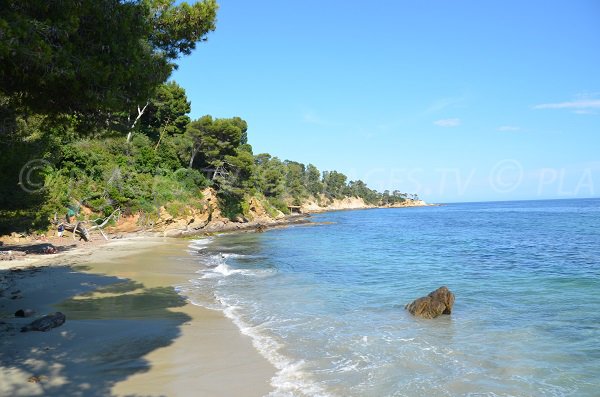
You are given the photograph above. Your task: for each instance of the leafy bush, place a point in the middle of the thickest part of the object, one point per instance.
(279, 204)
(191, 178)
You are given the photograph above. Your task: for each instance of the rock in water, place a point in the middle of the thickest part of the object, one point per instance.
(436, 303)
(46, 323)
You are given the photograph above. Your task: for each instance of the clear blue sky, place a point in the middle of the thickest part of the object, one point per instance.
(453, 100)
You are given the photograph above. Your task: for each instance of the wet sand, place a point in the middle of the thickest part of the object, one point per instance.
(127, 332)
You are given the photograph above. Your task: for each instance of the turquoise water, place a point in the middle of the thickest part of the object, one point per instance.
(326, 303)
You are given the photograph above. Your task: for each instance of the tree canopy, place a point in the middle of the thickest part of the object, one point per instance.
(88, 118)
(92, 56)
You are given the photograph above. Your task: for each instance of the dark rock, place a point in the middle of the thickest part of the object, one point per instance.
(36, 379)
(436, 303)
(49, 249)
(46, 323)
(261, 228)
(24, 313)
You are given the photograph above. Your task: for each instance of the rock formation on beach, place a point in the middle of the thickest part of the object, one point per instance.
(24, 313)
(46, 323)
(436, 303)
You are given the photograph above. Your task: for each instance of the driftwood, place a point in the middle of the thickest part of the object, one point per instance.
(78, 229)
(105, 222)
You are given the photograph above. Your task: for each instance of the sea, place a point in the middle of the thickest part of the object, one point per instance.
(324, 303)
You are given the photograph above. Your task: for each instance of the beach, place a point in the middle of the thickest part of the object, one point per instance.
(318, 309)
(128, 331)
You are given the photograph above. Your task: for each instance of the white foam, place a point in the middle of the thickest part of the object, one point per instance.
(203, 242)
(291, 379)
(231, 255)
(225, 270)
(199, 245)
(215, 266)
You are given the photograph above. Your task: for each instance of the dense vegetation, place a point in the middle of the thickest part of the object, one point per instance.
(88, 120)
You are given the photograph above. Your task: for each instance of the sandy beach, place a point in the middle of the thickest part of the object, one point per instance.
(127, 332)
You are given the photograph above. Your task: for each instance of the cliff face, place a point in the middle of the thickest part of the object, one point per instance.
(204, 218)
(351, 203)
(347, 203)
(409, 203)
(207, 217)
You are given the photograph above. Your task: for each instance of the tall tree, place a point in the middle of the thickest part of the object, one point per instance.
(313, 180)
(195, 131)
(217, 138)
(295, 181)
(335, 183)
(271, 175)
(92, 56)
(167, 112)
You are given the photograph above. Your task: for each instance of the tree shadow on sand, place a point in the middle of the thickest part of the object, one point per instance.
(111, 325)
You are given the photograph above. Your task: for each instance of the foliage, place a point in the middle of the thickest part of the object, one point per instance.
(314, 186)
(89, 121)
(271, 175)
(216, 139)
(334, 184)
(167, 112)
(90, 56)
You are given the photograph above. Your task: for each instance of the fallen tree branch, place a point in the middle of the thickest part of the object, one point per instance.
(77, 229)
(106, 220)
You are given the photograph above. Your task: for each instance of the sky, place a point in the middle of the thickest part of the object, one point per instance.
(453, 100)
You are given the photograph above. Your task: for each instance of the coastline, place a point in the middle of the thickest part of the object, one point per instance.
(192, 348)
(126, 322)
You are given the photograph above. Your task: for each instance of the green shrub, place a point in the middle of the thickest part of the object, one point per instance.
(191, 179)
(279, 204)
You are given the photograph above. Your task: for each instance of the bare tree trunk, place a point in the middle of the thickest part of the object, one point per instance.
(140, 113)
(106, 220)
(195, 150)
(162, 134)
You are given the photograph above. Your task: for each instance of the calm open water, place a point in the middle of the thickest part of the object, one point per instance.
(325, 303)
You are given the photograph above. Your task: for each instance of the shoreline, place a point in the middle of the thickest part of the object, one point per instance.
(166, 364)
(149, 338)
(33, 245)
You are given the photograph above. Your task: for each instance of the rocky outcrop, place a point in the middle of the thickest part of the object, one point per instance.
(409, 203)
(324, 204)
(209, 219)
(433, 305)
(46, 323)
(205, 216)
